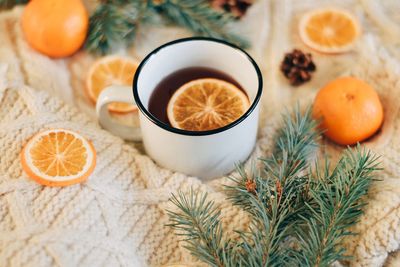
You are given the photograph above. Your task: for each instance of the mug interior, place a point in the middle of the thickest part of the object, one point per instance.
(196, 52)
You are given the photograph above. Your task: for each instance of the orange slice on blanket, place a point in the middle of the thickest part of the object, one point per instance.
(206, 104)
(329, 30)
(111, 70)
(58, 157)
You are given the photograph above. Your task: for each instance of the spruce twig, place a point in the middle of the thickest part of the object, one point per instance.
(198, 222)
(201, 19)
(278, 193)
(296, 141)
(113, 24)
(298, 218)
(336, 205)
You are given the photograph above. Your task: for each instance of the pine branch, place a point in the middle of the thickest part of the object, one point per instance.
(198, 222)
(296, 141)
(6, 4)
(337, 202)
(298, 218)
(275, 199)
(113, 24)
(261, 244)
(201, 19)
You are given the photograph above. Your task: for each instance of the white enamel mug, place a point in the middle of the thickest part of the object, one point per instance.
(205, 154)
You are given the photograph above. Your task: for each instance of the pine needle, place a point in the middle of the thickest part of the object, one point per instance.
(336, 204)
(201, 19)
(198, 223)
(298, 217)
(114, 25)
(115, 22)
(277, 200)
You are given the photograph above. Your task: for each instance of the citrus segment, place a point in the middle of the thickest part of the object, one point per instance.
(329, 30)
(58, 157)
(206, 104)
(111, 70)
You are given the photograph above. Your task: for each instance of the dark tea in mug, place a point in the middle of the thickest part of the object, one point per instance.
(170, 84)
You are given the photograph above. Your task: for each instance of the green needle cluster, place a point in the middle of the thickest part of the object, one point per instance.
(299, 212)
(114, 23)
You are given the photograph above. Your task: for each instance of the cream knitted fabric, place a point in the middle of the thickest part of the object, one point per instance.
(117, 218)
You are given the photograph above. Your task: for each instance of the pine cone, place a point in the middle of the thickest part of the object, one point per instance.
(237, 7)
(297, 67)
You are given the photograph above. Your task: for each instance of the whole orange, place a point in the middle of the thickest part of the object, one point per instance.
(56, 28)
(349, 109)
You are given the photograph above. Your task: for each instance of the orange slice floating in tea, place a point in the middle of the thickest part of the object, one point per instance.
(58, 157)
(111, 70)
(329, 30)
(206, 104)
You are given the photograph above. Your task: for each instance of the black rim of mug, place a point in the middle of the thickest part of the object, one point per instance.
(165, 126)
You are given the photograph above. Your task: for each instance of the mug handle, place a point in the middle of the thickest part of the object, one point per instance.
(116, 93)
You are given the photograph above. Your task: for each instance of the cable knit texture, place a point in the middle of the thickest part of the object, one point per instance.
(117, 217)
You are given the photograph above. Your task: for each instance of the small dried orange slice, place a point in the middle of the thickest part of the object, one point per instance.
(329, 30)
(206, 104)
(111, 70)
(58, 157)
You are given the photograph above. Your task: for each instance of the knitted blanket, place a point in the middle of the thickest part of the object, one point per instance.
(117, 217)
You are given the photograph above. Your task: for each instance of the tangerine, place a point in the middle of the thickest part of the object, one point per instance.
(349, 109)
(56, 28)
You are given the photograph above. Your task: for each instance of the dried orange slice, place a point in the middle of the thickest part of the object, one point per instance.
(58, 157)
(329, 30)
(206, 104)
(111, 70)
